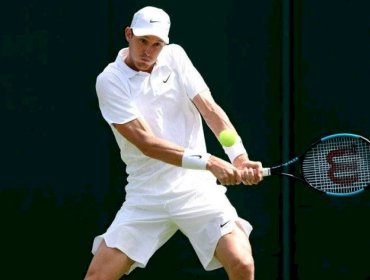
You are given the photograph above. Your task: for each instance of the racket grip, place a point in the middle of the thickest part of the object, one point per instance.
(266, 172)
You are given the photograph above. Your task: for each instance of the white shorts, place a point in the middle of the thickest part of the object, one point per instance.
(139, 231)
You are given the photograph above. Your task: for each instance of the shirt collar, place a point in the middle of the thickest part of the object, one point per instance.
(123, 66)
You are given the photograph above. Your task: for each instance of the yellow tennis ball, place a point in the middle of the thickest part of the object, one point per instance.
(227, 137)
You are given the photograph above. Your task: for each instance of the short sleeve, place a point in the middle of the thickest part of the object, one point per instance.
(115, 100)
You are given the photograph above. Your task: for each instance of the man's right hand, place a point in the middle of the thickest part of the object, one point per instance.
(225, 172)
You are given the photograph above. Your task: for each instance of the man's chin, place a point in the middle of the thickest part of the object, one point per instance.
(144, 66)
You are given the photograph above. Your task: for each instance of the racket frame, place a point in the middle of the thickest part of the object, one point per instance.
(298, 160)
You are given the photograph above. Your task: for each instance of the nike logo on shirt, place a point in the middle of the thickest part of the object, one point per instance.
(165, 81)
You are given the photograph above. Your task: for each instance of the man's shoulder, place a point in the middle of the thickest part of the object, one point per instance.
(172, 54)
(111, 71)
(111, 76)
(173, 49)
(114, 68)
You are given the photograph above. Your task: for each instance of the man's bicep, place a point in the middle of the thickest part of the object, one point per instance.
(204, 103)
(135, 131)
(213, 114)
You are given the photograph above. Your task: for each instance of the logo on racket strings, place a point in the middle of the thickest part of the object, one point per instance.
(343, 168)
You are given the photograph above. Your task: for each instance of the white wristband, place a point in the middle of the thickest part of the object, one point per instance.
(194, 160)
(235, 150)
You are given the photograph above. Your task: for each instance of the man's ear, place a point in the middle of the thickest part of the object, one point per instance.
(128, 33)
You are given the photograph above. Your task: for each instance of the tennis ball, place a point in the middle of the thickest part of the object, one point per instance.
(227, 137)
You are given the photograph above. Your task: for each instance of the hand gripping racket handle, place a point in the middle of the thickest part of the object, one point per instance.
(266, 172)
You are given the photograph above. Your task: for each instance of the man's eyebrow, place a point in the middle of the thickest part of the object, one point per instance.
(148, 36)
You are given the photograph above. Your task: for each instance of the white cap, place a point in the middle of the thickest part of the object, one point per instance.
(151, 21)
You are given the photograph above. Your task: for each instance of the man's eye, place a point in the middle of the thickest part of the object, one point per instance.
(158, 45)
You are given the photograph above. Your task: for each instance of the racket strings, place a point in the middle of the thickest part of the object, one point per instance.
(338, 165)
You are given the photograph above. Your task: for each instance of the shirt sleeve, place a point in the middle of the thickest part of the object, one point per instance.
(115, 100)
(192, 79)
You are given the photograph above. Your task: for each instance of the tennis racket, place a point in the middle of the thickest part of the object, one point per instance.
(338, 164)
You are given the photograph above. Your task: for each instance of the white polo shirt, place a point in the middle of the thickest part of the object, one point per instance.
(164, 99)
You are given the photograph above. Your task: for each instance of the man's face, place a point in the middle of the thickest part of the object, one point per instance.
(143, 51)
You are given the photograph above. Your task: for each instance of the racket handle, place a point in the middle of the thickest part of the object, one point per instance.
(266, 172)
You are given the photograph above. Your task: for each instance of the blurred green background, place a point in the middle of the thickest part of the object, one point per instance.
(286, 72)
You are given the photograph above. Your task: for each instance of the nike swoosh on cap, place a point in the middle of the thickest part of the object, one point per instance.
(225, 224)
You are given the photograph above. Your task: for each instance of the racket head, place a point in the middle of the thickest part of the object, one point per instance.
(338, 164)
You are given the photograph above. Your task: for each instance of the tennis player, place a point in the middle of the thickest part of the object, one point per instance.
(154, 99)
